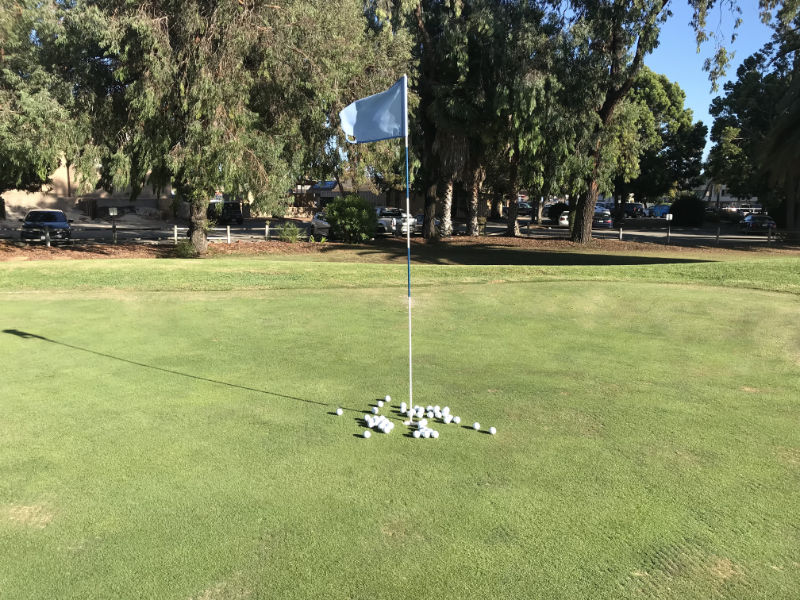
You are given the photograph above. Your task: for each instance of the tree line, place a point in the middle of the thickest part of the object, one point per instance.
(243, 96)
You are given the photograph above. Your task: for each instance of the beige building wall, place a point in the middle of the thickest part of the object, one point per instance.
(60, 193)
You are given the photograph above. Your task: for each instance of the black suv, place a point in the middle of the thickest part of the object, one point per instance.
(225, 212)
(634, 210)
(37, 224)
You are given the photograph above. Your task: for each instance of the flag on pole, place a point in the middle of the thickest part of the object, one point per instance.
(381, 117)
(378, 117)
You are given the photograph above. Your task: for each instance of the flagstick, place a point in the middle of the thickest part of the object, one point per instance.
(408, 244)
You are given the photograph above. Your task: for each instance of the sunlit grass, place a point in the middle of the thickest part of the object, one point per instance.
(181, 444)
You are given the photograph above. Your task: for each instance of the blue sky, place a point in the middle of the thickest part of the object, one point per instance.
(677, 57)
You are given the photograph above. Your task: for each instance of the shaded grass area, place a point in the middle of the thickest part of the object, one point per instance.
(237, 273)
(183, 446)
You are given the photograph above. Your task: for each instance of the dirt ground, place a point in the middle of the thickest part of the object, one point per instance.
(387, 249)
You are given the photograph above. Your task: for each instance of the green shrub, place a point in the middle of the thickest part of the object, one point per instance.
(688, 210)
(351, 219)
(185, 249)
(289, 232)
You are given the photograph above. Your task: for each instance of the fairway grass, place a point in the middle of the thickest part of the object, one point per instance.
(167, 431)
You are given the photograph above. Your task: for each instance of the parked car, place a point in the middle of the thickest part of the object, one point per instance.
(37, 224)
(756, 224)
(634, 210)
(603, 205)
(602, 218)
(563, 219)
(660, 210)
(523, 209)
(393, 221)
(319, 227)
(225, 211)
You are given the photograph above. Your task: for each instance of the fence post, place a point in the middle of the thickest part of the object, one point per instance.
(47, 236)
(266, 230)
(228, 231)
(175, 233)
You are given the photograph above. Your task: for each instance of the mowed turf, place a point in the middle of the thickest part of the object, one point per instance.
(181, 443)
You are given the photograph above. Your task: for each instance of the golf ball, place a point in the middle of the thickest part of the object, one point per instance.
(380, 403)
(422, 423)
(456, 420)
(446, 410)
(492, 430)
(476, 426)
(339, 412)
(403, 407)
(434, 434)
(367, 433)
(388, 398)
(374, 410)
(426, 433)
(417, 433)
(448, 418)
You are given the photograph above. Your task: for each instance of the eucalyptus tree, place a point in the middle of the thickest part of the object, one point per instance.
(217, 95)
(755, 149)
(34, 124)
(612, 38)
(519, 86)
(671, 145)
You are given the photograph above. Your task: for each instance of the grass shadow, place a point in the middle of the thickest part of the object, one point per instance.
(27, 335)
(460, 251)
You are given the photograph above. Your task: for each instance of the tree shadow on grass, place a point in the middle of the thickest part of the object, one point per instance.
(26, 335)
(457, 252)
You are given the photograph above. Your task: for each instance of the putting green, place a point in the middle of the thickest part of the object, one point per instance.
(183, 444)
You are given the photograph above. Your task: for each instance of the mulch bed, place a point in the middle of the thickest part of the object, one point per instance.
(395, 247)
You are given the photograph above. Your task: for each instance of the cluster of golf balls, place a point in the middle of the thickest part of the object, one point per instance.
(431, 412)
(384, 425)
(380, 423)
(423, 431)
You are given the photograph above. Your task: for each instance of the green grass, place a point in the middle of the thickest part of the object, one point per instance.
(166, 431)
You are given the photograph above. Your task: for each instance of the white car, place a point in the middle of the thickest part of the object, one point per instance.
(563, 219)
(319, 227)
(393, 221)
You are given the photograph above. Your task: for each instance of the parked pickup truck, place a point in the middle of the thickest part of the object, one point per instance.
(393, 220)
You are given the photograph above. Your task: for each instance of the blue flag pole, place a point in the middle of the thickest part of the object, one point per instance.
(384, 116)
(408, 243)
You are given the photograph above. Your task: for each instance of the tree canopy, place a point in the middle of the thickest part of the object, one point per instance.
(243, 97)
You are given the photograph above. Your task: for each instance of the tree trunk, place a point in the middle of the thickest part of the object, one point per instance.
(497, 203)
(792, 212)
(69, 179)
(474, 200)
(429, 227)
(198, 226)
(447, 209)
(584, 211)
(512, 225)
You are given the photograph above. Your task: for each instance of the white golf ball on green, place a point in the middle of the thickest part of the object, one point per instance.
(476, 426)
(339, 412)
(367, 433)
